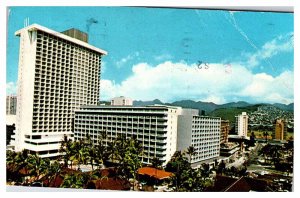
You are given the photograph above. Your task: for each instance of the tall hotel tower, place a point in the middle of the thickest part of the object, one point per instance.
(58, 72)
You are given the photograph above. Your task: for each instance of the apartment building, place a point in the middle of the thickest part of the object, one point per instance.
(201, 132)
(57, 74)
(11, 105)
(280, 129)
(224, 131)
(241, 124)
(155, 127)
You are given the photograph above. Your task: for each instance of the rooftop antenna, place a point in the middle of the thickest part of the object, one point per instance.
(26, 22)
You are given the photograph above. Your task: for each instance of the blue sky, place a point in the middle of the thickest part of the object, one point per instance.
(175, 54)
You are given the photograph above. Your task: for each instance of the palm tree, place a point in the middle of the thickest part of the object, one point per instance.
(72, 180)
(53, 172)
(191, 151)
(80, 153)
(21, 161)
(113, 151)
(90, 149)
(37, 166)
(132, 162)
(179, 165)
(101, 154)
(10, 159)
(266, 134)
(12, 167)
(221, 167)
(156, 163)
(205, 170)
(66, 150)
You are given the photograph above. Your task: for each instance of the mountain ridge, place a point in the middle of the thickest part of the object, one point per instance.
(210, 106)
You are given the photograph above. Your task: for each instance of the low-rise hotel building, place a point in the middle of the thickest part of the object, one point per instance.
(161, 130)
(155, 127)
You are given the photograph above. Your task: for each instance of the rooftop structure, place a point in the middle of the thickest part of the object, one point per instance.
(74, 33)
(155, 173)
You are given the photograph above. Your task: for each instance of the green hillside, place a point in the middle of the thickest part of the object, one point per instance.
(230, 113)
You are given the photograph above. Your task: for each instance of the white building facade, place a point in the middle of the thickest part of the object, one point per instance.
(155, 127)
(201, 132)
(57, 74)
(161, 130)
(241, 124)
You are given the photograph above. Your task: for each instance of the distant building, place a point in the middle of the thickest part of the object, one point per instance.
(56, 75)
(241, 124)
(11, 105)
(280, 129)
(224, 131)
(121, 101)
(201, 132)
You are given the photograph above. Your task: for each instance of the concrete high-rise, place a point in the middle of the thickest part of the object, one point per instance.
(57, 74)
(241, 124)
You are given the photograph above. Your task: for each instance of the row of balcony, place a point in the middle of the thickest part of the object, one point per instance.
(130, 118)
(113, 122)
(44, 59)
(144, 134)
(51, 120)
(51, 130)
(58, 43)
(120, 127)
(62, 94)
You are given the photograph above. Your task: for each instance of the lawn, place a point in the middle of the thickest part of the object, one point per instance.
(259, 134)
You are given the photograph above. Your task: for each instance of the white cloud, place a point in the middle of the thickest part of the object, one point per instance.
(163, 57)
(266, 88)
(214, 99)
(124, 60)
(103, 67)
(175, 81)
(108, 89)
(270, 49)
(11, 88)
